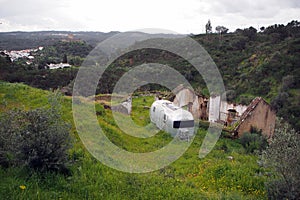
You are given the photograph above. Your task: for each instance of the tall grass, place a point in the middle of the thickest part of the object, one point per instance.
(214, 177)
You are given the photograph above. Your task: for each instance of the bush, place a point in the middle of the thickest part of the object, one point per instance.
(282, 155)
(8, 137)
(99, 109)
(37, 139)
(288, 82)
(278, 189)
(253, 141)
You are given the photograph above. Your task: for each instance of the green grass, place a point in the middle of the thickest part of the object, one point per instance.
(214, 177)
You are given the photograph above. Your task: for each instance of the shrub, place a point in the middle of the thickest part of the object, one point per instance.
(288, 82)
(278, 189)
(8, 135)
(253, 141)
(99, 109)
(37, 139)
(282, 155)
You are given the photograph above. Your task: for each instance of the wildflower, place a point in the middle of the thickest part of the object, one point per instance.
(22, 187)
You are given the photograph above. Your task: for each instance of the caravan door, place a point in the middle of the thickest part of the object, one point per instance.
(162, 120)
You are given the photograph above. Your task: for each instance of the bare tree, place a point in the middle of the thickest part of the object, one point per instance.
(208, 28)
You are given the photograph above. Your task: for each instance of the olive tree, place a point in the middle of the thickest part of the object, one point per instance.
(37, 138)
(282, 156)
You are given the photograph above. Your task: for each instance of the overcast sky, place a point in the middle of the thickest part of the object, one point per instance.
(181, 16)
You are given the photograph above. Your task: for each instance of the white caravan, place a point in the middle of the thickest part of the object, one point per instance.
(172, 119)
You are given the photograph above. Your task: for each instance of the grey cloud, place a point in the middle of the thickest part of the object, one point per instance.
(293, 3)
(249, 8)
(10, 8)
(56, 14)
(242, 5)
(37, 14)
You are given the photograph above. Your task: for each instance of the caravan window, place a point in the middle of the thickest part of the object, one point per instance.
(165, 117)
(183, 124)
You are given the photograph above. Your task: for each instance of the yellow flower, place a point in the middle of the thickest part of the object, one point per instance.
(22, 187)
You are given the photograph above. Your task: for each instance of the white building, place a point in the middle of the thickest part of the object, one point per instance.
(58, 66)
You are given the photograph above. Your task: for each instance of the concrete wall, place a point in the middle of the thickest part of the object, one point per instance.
(214, 108)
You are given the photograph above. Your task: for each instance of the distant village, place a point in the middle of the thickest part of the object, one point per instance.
(27, 54)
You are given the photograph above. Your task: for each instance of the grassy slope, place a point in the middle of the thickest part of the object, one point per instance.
(214, 177)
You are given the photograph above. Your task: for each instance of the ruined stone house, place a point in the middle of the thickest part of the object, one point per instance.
(239, 117)
(223, 112)
(124, 104)
(196, 104)
(124, 107)
(259, 115)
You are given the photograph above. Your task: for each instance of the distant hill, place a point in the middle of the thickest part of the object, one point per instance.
(27, 40)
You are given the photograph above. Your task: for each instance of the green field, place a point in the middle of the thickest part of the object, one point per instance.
(214, 177)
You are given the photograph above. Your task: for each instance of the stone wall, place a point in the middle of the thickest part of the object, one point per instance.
(124, 106)
(197, 105)
(261, 117)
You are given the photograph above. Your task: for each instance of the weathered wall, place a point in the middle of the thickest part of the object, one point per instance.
(184, 97)
(262, 117)
(214, 108)
(124, 107)
(197, 105)
(224, 107)
(203, 108)
(121, 109)
(108, 98)
(218, 109)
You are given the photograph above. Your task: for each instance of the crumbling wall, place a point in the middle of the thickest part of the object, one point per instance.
(261, 117)
(184, 97)
(125, 107)
(224, 107)
(214, 108)
(203, 108)
(219, 110)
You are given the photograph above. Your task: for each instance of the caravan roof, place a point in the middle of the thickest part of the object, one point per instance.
(173, 111)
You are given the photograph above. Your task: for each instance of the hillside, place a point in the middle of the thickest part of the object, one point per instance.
(214, 177)
(266, 65)
(27, 40)
(252, 63)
